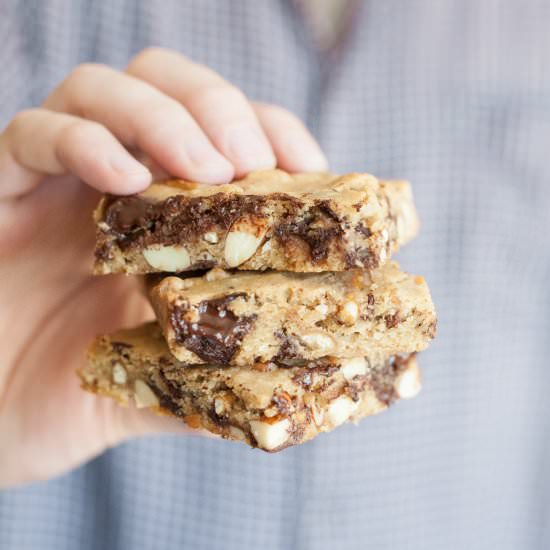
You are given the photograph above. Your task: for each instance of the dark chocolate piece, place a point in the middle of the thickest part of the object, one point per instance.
(126, 214)
(134, 221)
(218, 333)
(318, 231)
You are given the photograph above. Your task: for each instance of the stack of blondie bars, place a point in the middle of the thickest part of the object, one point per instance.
(279, 313)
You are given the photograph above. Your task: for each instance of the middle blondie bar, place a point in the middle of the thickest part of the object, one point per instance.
(290, 318)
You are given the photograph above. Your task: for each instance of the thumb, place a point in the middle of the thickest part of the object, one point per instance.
(134, 422)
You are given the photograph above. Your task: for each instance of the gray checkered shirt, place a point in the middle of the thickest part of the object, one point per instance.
(454, 95)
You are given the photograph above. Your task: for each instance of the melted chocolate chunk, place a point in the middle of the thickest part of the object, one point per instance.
(126, 214)
(317, 238)
(318, 230)
(325, 208)
(135, 221)
(218, 333)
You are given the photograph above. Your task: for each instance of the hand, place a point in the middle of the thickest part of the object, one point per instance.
(53, 161)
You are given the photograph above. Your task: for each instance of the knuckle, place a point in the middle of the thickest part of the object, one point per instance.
(84, 71)
(148, 56)
(76, 132)
(278, 112)
(165, 111)
(218, 95)
(19, 122)
(80, 74)
(161, 119)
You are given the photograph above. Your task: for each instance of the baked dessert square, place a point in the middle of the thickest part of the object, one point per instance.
(244, 318)
(269, 220)
(266, 407)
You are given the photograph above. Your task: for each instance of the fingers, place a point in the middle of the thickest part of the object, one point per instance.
(39, 142)
(135, 422)
(294, 146)
(186, 119)
(141, 116)
(124, 423)
(221, 110)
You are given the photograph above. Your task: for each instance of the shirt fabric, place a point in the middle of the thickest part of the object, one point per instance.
(328, 19)
(452, 94)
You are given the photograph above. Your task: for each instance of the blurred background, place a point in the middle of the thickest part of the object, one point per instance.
(451, 94)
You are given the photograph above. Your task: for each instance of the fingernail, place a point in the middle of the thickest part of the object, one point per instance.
(133, 171)
(208, 166)
(248, 148)
(305, 155)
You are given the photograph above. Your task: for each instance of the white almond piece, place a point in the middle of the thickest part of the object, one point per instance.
(408, 383)
(239, 247)
(356, 366)
(236, 433)
(219, 406)
(144, 395)
(322, 309)
(341, 409)
(270, 436)
(318, 341)
(167, 258)
(371, 207)
(211, 237)
(271, 412)
(119, 374)
(349, 313)
(318, 415)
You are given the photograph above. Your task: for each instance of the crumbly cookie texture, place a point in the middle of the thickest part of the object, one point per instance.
(269, 220)
(284, 318)
(270, 408)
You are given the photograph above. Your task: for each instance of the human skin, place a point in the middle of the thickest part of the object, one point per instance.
(178, 118)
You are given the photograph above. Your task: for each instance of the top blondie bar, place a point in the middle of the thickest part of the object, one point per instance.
(269, 220)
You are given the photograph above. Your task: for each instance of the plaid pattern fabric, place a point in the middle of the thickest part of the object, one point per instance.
(454, 95)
